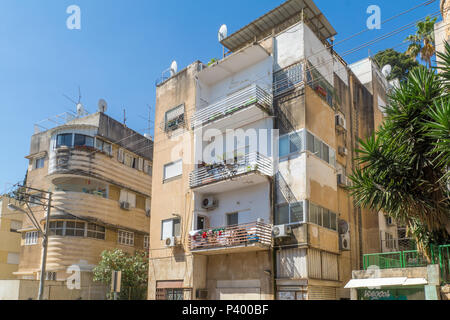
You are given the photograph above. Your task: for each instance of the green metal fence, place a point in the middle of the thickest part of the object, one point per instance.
(411, 258)
(383, 260)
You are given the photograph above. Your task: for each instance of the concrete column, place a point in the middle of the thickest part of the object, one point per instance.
(432, 290)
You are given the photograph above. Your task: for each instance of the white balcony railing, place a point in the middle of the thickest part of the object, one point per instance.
(251, 95)
(249, 163)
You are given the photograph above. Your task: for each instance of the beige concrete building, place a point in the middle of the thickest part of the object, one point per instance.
(261, 212)
(442, 28)
(10, 223)
(99, 174)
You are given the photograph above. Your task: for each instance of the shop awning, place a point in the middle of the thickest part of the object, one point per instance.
(385, 282)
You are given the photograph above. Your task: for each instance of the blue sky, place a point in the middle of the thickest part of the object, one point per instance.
(122, 48)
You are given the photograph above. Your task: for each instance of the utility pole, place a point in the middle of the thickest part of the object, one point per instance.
(23, 196)
(44, 248)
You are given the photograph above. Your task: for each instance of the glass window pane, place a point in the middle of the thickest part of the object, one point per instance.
(89, 141)
(232, 219)
(295, 142)
(333, 221)
(282, 214)
(297, 212)
(318, 147)
(64, 140)
(177, 228)
(332, 158)
(80, 140)
(310, 142)
(326, 218)
(284, 146)
(325, 152)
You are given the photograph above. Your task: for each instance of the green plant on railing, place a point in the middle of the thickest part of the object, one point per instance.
(215, 116)
(213, 60)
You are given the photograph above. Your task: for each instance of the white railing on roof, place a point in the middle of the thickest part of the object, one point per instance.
(251, 95)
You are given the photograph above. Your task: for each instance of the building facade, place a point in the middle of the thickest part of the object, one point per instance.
(99, 174)
(251, 161)
(10, 224)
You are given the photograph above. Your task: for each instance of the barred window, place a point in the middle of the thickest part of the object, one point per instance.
(31, 238)
(146, 242)
(126, 238)
(95, 231)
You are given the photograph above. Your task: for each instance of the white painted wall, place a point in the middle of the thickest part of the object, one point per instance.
(321, 172)
(289, 47)
(259, 74)
(253, 201)
(293, 170)
(320, 57)
(362, 70)
(341, 70)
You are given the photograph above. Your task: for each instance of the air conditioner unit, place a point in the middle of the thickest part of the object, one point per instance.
(344, 242)
(209, 203)
(125, 205)
(340, 122)
(342, 180)
(171, 242)
(282, 231)
(343, 151)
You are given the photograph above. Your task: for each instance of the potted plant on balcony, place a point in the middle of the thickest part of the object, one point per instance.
(215, 116)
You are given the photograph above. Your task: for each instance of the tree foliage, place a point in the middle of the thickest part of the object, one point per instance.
(400, 62)
(134, 270)
(402, 169)
(423, 41)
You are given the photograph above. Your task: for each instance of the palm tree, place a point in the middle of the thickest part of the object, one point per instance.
(402, 169)
(423, 41)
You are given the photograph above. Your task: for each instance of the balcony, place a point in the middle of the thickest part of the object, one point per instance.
(253, 164)
(250, 103)
(255, 236)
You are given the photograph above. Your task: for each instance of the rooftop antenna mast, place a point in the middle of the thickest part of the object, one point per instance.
(223, 33)
(81, 111)
(124, 117)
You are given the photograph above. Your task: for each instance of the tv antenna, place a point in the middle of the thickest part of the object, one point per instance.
(81, 111)
(102, 106)
(387, 70)
(149, 122)
(222, 34)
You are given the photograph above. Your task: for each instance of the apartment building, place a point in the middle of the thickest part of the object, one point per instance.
(251, 159)
(442, 28)
(10, 223)
(99, 174)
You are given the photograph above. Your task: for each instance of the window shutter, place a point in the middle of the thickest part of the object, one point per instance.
(120, 155)
(141, 164)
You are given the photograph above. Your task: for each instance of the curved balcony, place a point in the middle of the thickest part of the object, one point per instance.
(97, 207)
(254, 166)
(255, 236)
(85, 161)
(248, 104)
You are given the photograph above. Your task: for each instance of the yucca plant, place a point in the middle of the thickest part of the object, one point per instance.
(401, 170)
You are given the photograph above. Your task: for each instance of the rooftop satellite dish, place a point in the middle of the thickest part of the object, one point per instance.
(102, 106)
(173, 68)
(386, 71)
(80, 109)
(223, 32)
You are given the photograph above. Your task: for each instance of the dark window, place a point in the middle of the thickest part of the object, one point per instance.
(200, 223)
(282, 214)
(83, 140)
(64, 140)
(232, 219)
